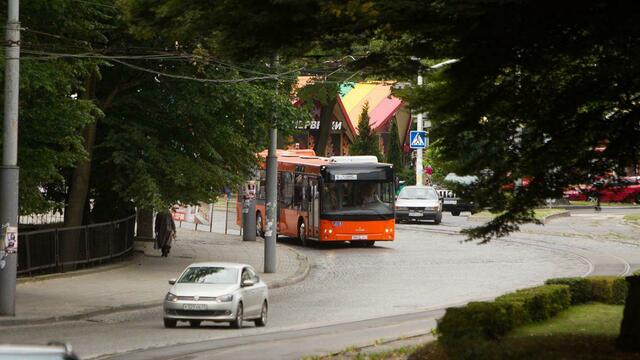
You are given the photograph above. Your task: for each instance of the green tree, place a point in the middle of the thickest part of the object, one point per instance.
(538, 85)
(367, 142)
(53, 111)
(394, 152)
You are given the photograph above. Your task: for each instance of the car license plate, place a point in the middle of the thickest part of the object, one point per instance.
(195, 306)
(359, 237)
(450, 201)
(415, 213)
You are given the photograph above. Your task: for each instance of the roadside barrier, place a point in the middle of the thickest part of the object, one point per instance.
(65, 249)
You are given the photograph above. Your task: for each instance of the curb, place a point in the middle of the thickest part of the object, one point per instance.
(543, 220)
(303, 271)
(300, 274)
(565, 213)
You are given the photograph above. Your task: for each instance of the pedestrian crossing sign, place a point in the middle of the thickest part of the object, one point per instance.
(417, 139)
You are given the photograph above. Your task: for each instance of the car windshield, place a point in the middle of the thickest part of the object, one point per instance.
(418, 193)
(209, 275)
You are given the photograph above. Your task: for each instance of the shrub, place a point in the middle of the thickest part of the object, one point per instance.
(606, 289)
(465, 331)
(609, 289)
(541, 302)
(580, 288)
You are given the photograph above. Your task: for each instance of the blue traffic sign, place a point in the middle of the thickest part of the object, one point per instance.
(418, 139)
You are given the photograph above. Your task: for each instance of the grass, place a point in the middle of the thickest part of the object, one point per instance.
(354, 353)
(593, 203)
(590, 319)
(538, 213)
(632, 218)
(581, 332)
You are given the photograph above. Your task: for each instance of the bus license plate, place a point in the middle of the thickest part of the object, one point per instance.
(450, 201)
(359, 237)
(415, 213)
(195, 306)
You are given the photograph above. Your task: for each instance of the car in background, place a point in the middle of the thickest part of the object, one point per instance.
(621, 189)
(218, 292)
(416, 203)
(52, 351)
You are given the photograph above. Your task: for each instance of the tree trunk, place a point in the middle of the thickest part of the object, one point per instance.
(326, 117)
(629, 339)
(79, 187)
(78, 190)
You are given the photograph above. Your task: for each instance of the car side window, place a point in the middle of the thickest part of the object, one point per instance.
(246, 275)
(254, 277)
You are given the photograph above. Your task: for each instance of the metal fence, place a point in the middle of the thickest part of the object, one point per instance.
(63, 249)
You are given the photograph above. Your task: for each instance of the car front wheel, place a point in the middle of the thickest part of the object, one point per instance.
(237, 323)
(262, 321)
(170, 323)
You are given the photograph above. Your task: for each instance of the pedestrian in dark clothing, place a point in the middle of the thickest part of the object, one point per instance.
(165, 230)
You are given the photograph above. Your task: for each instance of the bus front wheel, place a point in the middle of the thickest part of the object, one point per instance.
(302, 235)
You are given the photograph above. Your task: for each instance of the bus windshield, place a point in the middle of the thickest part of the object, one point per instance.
(357, 198)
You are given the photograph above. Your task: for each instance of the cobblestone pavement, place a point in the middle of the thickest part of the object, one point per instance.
(427, 267)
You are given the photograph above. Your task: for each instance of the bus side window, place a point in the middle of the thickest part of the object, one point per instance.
(262, 186)
(287, 189)
(297, 191)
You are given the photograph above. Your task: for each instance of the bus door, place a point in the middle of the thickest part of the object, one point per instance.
(314, 207)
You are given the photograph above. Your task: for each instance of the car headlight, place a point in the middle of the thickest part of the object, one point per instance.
(225, 298)
(401, 208)
(171, 297)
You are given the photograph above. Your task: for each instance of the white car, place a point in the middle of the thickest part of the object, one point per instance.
(218, 292)
(418, 203)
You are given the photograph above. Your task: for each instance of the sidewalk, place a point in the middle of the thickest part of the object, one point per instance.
(142, 281)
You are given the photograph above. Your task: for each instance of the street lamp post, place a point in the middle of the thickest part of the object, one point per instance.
(420, 119)
(271, 203)
(9, 169)
(419, 152)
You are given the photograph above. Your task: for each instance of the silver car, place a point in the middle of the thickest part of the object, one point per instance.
(219, 292)
(418, 203)
(52, 351)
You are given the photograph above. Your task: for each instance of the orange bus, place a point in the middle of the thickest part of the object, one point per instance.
(342, 198)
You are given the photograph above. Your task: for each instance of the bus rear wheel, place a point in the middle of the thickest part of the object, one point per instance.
(368, 243)
(302, 235)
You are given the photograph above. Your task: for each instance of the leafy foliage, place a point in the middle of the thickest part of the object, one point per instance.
(394, 153)
(537, 88)
(51, 114)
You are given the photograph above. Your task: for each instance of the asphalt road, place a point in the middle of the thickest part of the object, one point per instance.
(354, 296)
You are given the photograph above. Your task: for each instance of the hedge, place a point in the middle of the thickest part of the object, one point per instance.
(541, 302)
(606, 289)
(466, 331)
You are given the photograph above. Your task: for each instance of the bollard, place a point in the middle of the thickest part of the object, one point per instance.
(249, 220)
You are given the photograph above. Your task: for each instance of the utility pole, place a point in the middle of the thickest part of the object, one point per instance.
(420, 127)
(9, 169)
(271, 229)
